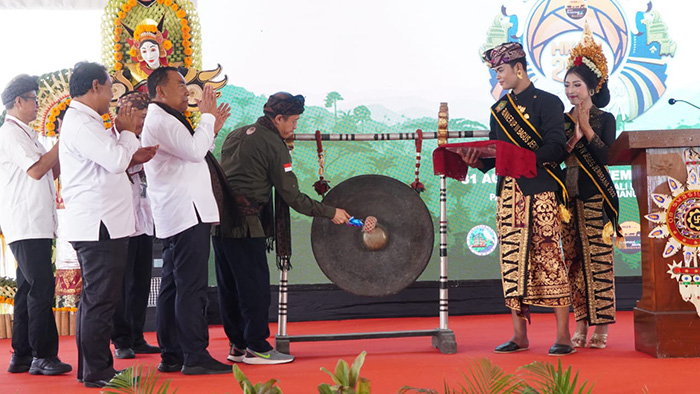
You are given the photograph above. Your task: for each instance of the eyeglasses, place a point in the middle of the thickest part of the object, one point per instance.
(31, 98)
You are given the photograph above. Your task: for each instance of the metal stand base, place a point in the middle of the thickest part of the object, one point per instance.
(444, 340)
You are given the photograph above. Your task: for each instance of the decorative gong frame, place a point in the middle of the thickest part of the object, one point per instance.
(442, 337)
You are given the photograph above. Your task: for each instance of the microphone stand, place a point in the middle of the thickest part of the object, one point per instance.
(673, 101)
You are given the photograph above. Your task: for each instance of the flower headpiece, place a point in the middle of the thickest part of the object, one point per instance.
(588, 52)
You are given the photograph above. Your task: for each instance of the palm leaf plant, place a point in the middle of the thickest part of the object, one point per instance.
(138, 380)
(482, 377)
(553, 380)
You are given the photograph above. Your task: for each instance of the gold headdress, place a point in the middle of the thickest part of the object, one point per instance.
(588, 52)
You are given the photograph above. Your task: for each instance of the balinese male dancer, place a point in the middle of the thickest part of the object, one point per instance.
(532, 267)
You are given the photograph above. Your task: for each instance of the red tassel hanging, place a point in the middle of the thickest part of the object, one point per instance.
(321, 186)
(417, 185)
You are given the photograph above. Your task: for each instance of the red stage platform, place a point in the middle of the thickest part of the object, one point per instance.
(392, 363)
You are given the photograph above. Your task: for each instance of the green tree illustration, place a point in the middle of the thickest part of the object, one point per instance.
(332, 99)
(362, 114)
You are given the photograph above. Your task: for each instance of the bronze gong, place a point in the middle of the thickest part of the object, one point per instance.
(387, 259)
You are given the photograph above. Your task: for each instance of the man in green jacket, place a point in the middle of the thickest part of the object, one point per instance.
(256, 158)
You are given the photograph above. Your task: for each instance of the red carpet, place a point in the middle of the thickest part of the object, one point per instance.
(392, 363)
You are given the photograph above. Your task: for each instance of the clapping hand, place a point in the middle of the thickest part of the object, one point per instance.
(126, 120)
(222, 113)
(143, 155)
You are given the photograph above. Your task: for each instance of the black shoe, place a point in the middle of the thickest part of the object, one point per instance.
(561, 350)
(125, 352)
(163, 367)
(145, 348)
(210, 367)
(97, 384)
(19, 364)
(49, 366)
(509, 347)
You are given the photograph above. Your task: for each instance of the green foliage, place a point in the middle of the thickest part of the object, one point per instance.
(145, 381)
(259, 388)
(347, 379)
(552, 380)
(483, 377)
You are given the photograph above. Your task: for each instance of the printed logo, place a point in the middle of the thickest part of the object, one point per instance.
(482, 240)
(637, 51)
(288, 167)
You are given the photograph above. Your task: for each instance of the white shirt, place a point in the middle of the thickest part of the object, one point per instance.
(27, 205)
(142, 208)
(93, 174)
(178, 177)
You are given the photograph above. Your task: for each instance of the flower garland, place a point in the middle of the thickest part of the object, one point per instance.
(180, 13)
(57, 111)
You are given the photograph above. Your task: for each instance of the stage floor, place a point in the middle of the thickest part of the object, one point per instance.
(393, 363)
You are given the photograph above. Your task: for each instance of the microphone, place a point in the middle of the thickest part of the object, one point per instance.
(673, 101)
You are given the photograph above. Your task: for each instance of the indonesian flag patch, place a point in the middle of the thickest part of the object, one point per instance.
(288, 167)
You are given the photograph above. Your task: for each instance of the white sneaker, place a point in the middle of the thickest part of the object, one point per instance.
(236, 355)
(270, 357)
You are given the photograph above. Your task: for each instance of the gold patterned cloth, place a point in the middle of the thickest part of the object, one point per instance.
(589, 261)
(532, 267)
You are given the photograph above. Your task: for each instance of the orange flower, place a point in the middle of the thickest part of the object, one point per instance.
(118, 30)
(159, 1)
(121, 14)
(117, 38)
(168, 3)
(187, 114)
(187, 43)
(185, 29)
(118, 56)
(117, 47)
(117, 21)
(186, 36)
(133, 52)
(55, 111)
(118, 66)
(68, 100)
(131, 3)
(183, 22)
(174, 7)
(167, 44)
(188, 61)
(50, 126)
(188, 51)
(62, 106)
(126, 8)
(51, 133)
(181, 13)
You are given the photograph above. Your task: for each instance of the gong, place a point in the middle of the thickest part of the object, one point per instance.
(387, 259)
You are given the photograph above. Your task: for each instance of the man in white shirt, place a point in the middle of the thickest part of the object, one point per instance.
(28, 220)
(99, 210)
(184, 207)
(130, 316)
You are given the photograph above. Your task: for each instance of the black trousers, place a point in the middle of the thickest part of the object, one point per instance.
(130, 315)
(181, 323)
(243, 282)
(102, 266)
(34, 328)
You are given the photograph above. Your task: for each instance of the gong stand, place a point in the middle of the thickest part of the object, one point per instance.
(442, 338)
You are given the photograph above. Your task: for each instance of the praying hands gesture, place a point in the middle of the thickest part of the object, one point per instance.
(207, 105)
